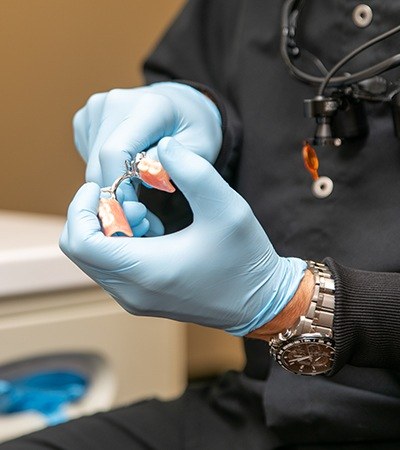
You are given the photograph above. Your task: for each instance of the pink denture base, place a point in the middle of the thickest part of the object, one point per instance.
(152, 173)
(112, 218)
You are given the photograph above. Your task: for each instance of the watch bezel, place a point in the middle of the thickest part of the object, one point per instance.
(309, 338)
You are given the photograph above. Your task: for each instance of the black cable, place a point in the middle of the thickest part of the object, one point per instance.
(353, 54)
(288, 24)
(291, 24)
(288, 30)
(377, 69)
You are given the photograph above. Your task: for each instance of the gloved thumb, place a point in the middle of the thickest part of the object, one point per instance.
(204, 188)
(83, 227)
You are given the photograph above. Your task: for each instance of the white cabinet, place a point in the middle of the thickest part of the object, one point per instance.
(52, 314)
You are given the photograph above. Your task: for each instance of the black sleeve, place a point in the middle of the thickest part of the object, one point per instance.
(367, 317)
(196, 51)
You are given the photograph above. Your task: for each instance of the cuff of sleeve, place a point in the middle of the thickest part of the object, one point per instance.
(366, 321)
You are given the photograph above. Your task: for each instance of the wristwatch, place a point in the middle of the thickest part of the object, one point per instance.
(308, 347)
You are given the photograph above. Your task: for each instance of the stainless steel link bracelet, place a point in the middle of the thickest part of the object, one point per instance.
(319, 317)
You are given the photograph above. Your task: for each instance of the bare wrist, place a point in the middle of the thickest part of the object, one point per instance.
(297, 307)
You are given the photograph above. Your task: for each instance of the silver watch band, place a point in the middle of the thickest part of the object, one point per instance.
(319, 317)
(308, 347)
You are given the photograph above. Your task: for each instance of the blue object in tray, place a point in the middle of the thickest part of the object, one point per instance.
(44, 392)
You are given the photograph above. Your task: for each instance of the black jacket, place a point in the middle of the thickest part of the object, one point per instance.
(230, 49)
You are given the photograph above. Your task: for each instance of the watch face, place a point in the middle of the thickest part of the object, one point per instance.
(307, 355)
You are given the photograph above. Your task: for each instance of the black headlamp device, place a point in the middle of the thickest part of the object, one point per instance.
(340, 114)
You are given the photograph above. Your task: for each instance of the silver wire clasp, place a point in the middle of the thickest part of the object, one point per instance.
(131, 171)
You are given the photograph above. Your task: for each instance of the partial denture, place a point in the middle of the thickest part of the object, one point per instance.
(112, 218)
(153, 173)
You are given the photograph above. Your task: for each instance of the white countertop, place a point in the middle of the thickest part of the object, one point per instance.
(30, 259)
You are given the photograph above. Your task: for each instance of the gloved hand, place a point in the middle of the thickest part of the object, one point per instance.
(114, 126)
(221, 271)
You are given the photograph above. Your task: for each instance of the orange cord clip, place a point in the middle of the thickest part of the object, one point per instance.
(310, 159)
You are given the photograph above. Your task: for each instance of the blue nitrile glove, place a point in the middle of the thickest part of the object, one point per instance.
(114, 126)
(221, 271)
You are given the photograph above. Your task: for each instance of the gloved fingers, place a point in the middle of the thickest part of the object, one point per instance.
(114, 107)
(152, 152)
(206, 131)
(151, 119)
(135, 212)
(127, 191)
(142, 221)
(81, 136)
(86, 123)
(82, 239)
(64, 246)
(156, 227)
(200, 121)
(190, 138)
(206, 191)
(85, 244)
(141, 229)
(63, 242)
(95, 107)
